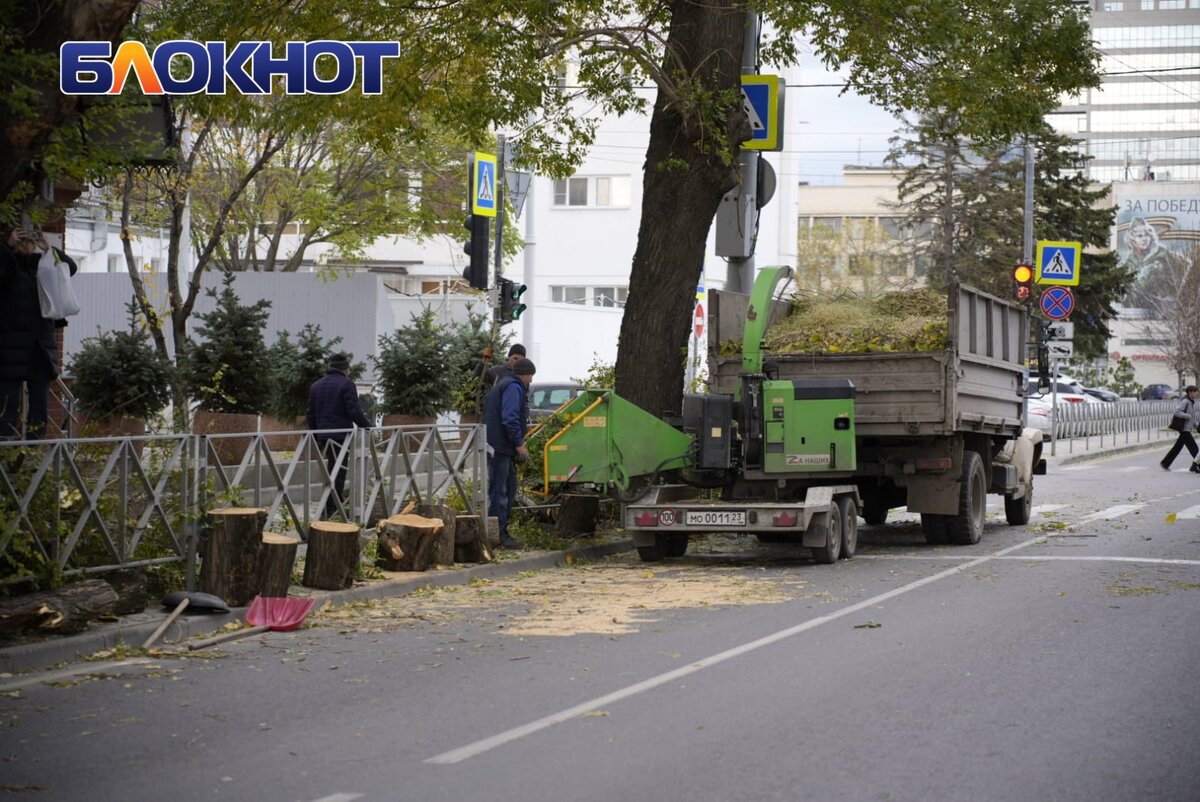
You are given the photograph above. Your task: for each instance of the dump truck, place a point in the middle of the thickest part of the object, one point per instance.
(795, 447)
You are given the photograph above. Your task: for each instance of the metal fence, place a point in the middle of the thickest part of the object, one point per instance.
(1081, 426)
(88, 505)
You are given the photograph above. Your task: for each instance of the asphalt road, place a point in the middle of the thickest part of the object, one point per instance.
(1054, 661)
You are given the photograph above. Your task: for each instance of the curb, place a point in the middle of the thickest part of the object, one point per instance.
(134, 630)
(1089, 456)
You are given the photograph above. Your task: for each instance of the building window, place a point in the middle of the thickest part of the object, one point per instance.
(607, 297)
(601, 191)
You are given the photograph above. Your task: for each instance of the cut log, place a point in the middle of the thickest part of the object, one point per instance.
(229, 567)
(132, 587)
(332, 555)
(444, 553)
(577, 515)
(470, 540)
(275, 563)
(408, 542)
(65, 610)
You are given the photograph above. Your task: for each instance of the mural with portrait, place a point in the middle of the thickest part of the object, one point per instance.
(1157, 232)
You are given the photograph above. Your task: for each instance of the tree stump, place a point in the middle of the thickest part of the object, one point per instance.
(275, 563)
(408, 542)
(444, 551)
(470, 540)
(577, 515)
(65, 610)
(229, 567)
(332, 555)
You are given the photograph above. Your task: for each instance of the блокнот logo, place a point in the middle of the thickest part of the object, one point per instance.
(90, 68)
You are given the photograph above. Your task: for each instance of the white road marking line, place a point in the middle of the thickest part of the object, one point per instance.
(1110, 513)
(85, 668)
(339, 798)
(478, 747)
(1033, 558)
(1190, 512)
(1075, 468)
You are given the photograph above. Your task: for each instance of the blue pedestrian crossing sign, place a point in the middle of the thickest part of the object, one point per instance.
(762, 98)
(483, 185)
(1058, 262)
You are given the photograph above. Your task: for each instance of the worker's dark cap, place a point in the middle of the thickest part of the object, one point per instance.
(516, 350)
(1191, 388)
(524, 367)
(340, 362)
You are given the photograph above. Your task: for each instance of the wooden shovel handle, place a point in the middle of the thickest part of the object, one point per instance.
(228, 636)
(179, 608)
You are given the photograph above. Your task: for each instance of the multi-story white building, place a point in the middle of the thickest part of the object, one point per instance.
(1143, 121)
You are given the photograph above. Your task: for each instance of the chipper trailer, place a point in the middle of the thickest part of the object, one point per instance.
(784, 451)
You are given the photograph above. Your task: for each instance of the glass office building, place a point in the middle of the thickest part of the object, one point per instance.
(1143, 122)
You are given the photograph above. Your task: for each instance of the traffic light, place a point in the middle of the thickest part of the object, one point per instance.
(1023, 276)
(476, 249)
(510, 300)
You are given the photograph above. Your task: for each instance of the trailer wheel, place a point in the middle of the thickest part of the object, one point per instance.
(1018, 511)
(849, 512)
(874, 511)
(828, 554)
(966, 528)
(934, 527)
(677, 544)
(655, 553)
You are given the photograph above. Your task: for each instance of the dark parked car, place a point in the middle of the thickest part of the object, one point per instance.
(1104, 395)
(545, 398)
(1157, 392)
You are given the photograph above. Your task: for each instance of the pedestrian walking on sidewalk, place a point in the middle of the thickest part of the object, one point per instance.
(1184, 422)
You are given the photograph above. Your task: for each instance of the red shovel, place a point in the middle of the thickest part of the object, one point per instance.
(265, 613)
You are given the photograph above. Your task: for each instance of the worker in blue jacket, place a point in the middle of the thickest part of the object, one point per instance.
(504, 416)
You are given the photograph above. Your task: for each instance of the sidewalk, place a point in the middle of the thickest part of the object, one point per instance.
(132, 631)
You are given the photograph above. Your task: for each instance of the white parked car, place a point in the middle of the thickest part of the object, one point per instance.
(1040, 415)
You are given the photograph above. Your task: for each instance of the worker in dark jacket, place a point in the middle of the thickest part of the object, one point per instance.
(504, 415)
(495, 373)
(28, 345)
(333, 404)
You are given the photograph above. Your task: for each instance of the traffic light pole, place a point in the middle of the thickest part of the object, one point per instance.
(499, 258)
(1027, 251)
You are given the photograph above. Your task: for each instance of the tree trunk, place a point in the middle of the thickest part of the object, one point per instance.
(275, 564)
(332, 555)
(684, 179)
(65, 610)
(470, 540)
(577, 515)
(229, 557)
(41, 33)
(408, 542)
(444, 554)
(132, 587)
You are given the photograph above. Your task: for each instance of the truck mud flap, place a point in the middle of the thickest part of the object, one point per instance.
(1040, 468)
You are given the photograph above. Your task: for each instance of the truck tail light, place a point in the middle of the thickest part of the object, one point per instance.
(647, 518)
(935, 464)
(784, 519)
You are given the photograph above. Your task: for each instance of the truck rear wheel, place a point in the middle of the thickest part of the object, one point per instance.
(1018, 511)
(828, 554)
(874, 511)
(849, 512)
(966, 528)
(934, 527)
(677, 544)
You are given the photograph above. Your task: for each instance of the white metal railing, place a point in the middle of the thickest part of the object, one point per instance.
(87, 505)
(1084, 424)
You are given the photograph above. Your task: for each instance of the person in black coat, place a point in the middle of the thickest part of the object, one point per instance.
(28, 345)
(333, 404)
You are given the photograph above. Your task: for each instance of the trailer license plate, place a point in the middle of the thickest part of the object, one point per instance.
(715, 518)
